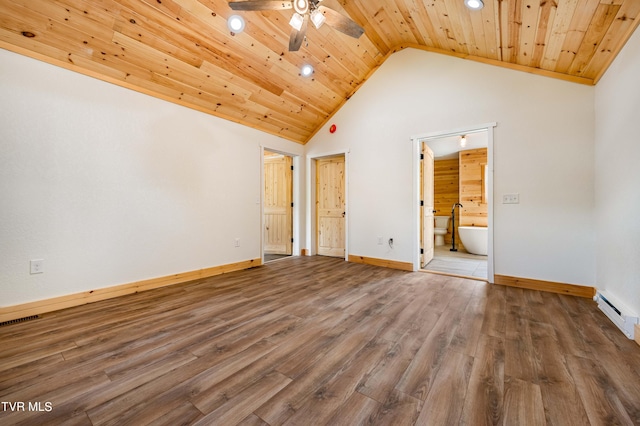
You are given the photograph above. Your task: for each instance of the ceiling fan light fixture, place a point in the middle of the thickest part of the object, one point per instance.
(296, 21)
(474, 4)
(235, 23)
(306, 70)
(301, 6)
(317, 18)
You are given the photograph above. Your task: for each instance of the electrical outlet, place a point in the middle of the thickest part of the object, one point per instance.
(36, 266)
(380, 241)
(237, 242)
(510, 198)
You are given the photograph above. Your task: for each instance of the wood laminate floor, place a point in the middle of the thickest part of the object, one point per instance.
(316, 341)
(268, 257)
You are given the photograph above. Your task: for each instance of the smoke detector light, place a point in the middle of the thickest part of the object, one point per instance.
(474, 4)
(235, 23)
(463, 141)
(306, 70)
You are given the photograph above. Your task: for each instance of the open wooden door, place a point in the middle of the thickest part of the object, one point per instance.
(428, 203)
(278, 223)
(330, 206)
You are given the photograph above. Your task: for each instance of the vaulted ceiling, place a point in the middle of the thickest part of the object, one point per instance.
(182, 51)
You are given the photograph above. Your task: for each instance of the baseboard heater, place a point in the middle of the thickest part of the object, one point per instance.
(621, 316)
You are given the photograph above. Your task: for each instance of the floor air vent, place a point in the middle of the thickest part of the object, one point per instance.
(616, 312)
(15, 321)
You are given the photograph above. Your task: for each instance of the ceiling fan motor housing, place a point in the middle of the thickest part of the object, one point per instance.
(301, 6)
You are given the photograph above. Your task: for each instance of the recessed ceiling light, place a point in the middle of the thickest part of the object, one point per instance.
(474, 4)
(306, 70)
(235, 23)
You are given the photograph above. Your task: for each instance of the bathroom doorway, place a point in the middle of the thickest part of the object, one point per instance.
(462, 190)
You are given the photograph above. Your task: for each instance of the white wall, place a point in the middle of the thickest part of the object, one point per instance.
(617, 188)
(110, 186)
(543, 150)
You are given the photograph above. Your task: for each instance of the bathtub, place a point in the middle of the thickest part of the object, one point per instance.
(474, 238)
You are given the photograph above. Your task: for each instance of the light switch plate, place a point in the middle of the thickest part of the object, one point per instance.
(511, 199)
(36, 266)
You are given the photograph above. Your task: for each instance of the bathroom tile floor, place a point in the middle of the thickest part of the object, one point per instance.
(458, 263)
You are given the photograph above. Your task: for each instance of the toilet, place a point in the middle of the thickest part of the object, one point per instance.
(440, 230)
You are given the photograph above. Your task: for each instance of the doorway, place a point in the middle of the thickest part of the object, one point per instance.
(278, 206)
(330, 212)
(460, 170)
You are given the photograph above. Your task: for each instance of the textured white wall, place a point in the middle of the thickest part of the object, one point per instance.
(618, 176)
(543, 150)
(110, 186)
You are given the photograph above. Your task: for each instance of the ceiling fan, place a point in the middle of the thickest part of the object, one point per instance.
(305, 10)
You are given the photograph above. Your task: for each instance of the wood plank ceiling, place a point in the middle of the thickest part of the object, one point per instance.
(182, 51)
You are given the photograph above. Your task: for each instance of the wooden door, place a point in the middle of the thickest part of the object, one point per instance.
(278, 224)
(428, 203)
(330, 207)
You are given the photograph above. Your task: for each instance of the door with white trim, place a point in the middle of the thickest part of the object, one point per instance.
(330, 206)
(278, 194)
(428, 204)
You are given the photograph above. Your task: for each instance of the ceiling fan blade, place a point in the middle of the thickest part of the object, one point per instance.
(341, 22)
(297, 37)
(260, 5)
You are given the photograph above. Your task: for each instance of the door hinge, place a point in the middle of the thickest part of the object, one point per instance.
(421, 251)
(292, 240)
(291, 204)
(291, 167)
(421, 203)
(422, 156)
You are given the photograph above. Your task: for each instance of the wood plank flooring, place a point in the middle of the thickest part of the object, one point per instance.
(315, 341)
